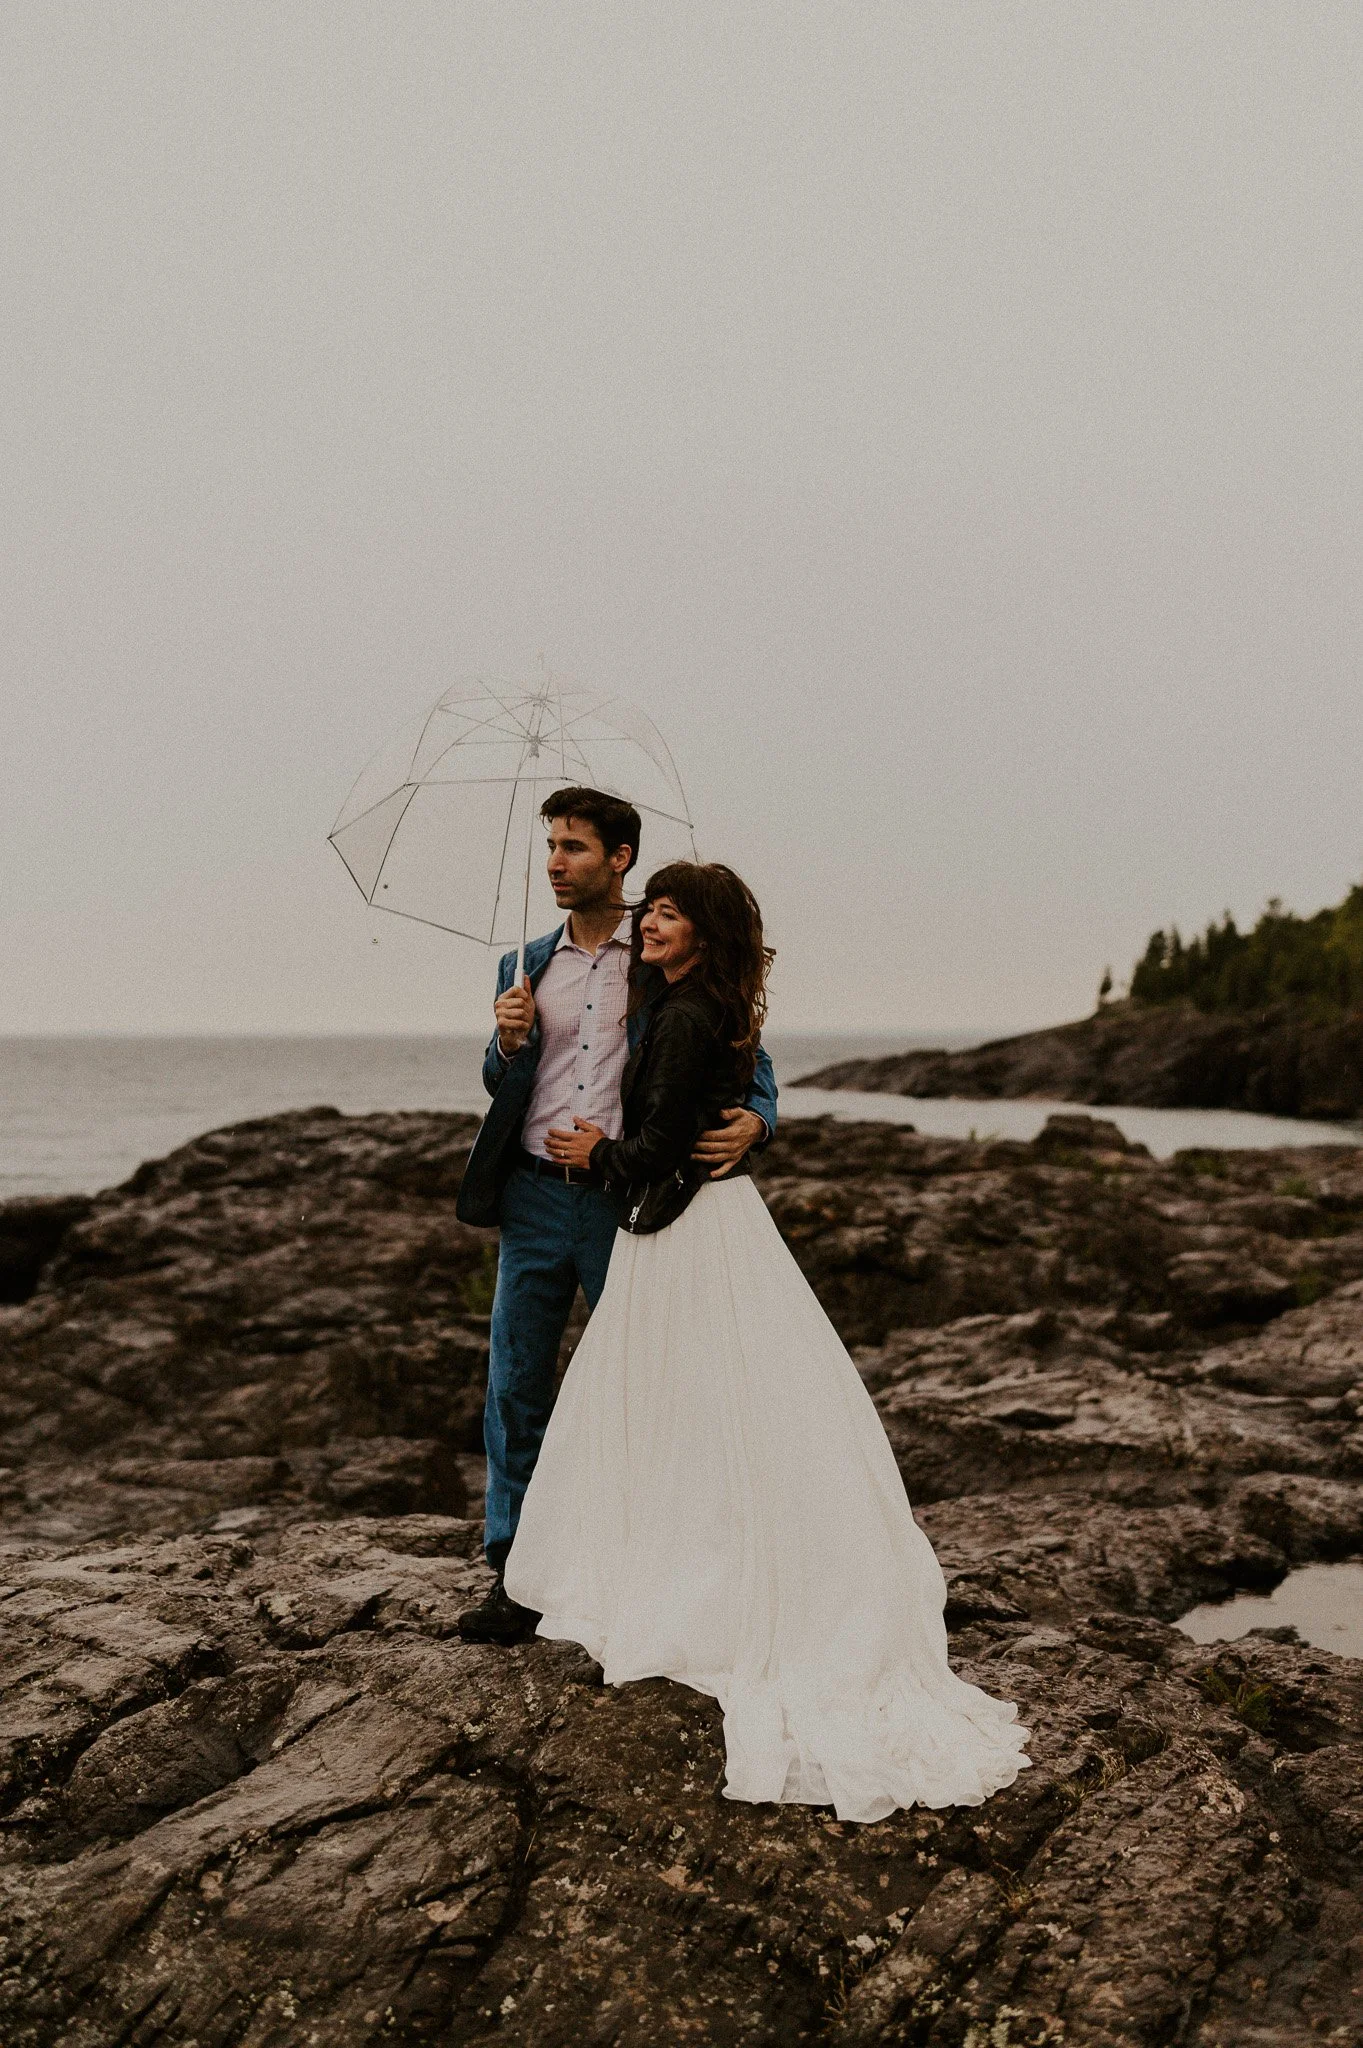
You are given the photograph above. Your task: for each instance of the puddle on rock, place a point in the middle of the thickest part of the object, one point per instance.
(1323, 1602)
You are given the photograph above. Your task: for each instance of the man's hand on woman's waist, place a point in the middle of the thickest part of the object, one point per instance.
(722, 1148)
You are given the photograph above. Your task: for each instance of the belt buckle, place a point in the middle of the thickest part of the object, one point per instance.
(567, 1176)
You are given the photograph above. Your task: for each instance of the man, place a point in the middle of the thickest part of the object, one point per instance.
(559, 1050)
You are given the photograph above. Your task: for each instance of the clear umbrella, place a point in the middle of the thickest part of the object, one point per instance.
(442, 826)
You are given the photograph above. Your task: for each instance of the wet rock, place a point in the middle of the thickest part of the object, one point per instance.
(1221, 1287)
(1064, 1132)
(175, 1753)
(389, 1831)
(285, 1310)
(969, 1408)
(288, 1312)
(254, 1789)
(32, 1228)
(896, 1230)
(393, 1475)
(1315, 1351)
(954, 1926)
(1307, 1519)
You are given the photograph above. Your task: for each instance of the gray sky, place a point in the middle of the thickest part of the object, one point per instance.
(943, 418)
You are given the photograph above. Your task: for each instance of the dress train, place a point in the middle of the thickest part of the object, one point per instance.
(716, 1502)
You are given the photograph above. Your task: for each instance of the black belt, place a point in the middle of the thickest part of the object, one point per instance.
(549, 1169)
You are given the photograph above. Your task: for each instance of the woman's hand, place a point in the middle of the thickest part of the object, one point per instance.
(574, 1148)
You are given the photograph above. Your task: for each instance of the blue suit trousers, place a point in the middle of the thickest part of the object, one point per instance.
(554, 1237)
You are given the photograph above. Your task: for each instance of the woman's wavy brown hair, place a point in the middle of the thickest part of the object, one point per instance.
(733, 962)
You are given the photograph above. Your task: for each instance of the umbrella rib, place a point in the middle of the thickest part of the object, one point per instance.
(580, 761)
(484, 781)
(391, 837)
(351, 872)
(415, 917)
(540, 705)
(669, 817)
(510, 709)
(506, 836)
(387, 797)
(604, 705)
(498, 699)
(463, 739)
(502, 711)
(499, 739)
(421, 741)
(592, 710)
(676, 779)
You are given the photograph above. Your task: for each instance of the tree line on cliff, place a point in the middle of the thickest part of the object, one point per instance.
(1314, 963)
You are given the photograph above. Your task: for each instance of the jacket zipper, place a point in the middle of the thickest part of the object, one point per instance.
(678, 1177)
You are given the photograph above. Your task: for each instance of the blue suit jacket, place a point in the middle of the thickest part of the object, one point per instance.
(509, 1083)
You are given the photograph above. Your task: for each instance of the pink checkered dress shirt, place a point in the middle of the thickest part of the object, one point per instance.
(581, 1000)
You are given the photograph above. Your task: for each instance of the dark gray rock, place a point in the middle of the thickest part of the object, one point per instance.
(1065, 1132)
(32, 1228)
(254, 1790)
(1281, 1062)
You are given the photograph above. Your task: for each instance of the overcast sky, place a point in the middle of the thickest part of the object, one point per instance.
(944, 419)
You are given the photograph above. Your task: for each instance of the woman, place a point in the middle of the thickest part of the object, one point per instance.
(715, 1500)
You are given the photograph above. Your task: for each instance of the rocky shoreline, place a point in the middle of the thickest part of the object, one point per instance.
(254, 1791)
(1278, 1062)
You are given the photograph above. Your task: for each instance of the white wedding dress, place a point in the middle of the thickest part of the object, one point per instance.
(716, 1502)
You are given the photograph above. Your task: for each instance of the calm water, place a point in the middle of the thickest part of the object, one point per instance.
(1323, 1602)
(81, 1113)
(1165, 1131)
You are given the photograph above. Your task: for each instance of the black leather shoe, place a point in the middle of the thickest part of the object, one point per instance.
(498, 1619)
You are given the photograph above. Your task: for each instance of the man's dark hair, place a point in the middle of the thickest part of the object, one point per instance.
(616, 823)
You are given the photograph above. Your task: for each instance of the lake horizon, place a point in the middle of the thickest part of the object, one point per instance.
(81, 1111)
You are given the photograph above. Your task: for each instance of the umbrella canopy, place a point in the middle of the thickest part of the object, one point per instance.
(443, 824)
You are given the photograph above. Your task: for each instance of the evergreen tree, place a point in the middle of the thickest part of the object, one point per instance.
(1314, 962)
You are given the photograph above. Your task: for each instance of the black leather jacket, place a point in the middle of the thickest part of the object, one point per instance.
(683, 1073)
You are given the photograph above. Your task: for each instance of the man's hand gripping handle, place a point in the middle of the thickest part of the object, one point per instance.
(515, 1014)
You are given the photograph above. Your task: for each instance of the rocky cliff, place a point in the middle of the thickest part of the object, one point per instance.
(1279, 1062)
(254, 1791)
